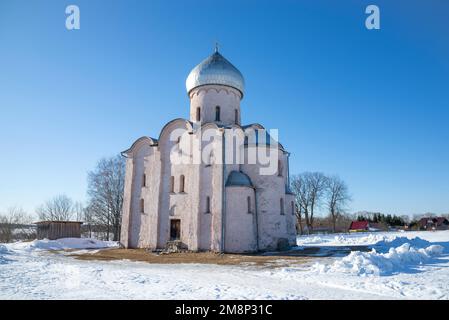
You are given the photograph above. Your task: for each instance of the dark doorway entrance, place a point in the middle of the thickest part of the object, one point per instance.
(175, 229)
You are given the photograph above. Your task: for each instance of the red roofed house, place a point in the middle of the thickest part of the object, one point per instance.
(358, 226)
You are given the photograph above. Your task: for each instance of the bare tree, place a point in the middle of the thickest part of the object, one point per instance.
(14, 224)
(105, 190)
(59, 208)
(316, 185)
(78, 210)
(89, 219)
(298, 212)
(301, 200)
(308, 188)
(337, 198)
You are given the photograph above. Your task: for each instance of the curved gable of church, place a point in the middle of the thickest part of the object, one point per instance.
(177, 123)
(142, 141)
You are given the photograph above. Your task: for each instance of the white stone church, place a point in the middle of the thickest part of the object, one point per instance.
(209, 182)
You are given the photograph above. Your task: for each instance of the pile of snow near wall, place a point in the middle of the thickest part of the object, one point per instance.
(64, 244)
(400, 254)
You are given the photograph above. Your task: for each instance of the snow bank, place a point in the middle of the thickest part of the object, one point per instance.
(64, 244)
(3, 251)
(394, 242)
(305, 240)
(389, 254)
(367, 238)
(344, 239)
(374, 263)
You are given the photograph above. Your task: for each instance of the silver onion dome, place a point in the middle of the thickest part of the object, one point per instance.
(215, 70)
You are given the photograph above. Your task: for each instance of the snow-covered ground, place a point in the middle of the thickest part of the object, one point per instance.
(407, 265)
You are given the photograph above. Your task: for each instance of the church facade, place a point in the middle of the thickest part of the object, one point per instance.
(209, 182)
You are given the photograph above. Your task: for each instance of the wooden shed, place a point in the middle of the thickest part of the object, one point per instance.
(53, 230)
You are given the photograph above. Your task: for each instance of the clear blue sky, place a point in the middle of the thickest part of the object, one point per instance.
(370, 106)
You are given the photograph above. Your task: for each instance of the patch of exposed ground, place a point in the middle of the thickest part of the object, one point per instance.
(277, 260)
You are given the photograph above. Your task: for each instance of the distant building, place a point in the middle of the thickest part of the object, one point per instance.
(359, 226)
(321, 229)
(53, 230)
(433, 223)
(377, 226)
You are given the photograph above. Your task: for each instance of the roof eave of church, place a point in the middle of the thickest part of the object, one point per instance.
(243, 128)
(128, 152)
(216, 84)
(288, 190)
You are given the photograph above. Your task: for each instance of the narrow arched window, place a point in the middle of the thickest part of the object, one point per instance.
(279, 168)
(181, 183)
(211, 159)
(144, 180)
(282, 205)
(198, 114)
(293, 208)
(207, 204)
(248, 200)
(217, 113)
(236, 115)
(172, 184)
(142, 206)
